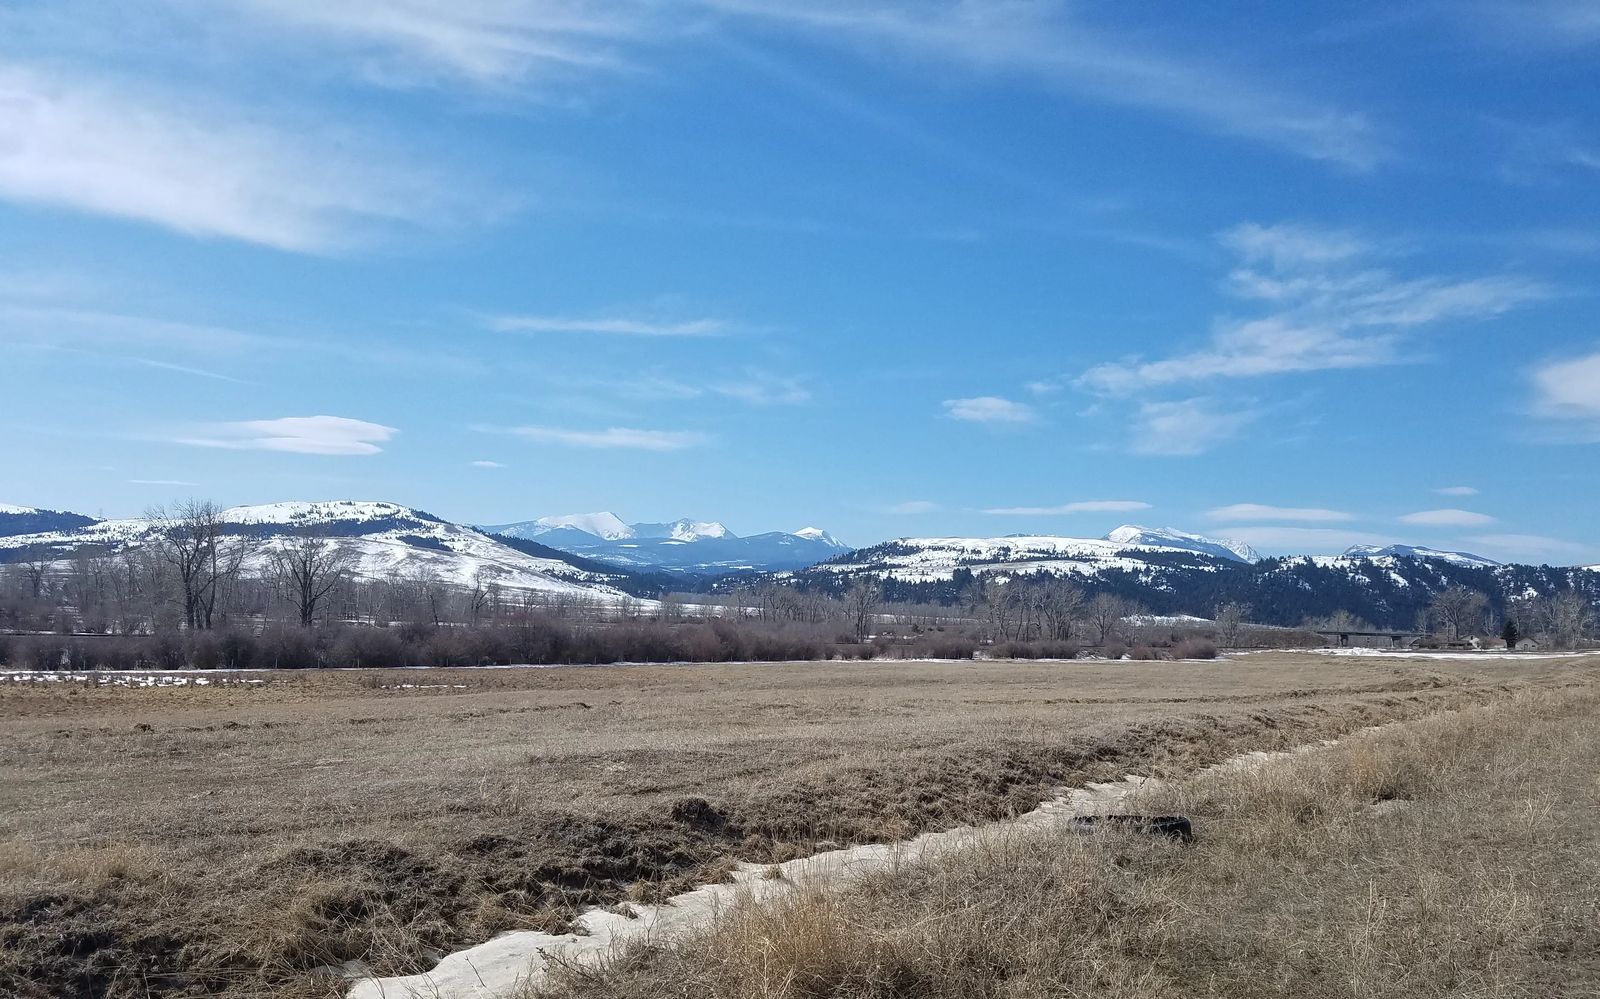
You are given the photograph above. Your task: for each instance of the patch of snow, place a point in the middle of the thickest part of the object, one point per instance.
(1463, 655)
(19, 510)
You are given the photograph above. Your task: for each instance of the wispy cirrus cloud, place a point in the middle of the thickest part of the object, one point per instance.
(1327, 310)
(609, 326)
(485, 43)
(1047, 44)
(1262, 511)
(325, 435)
(1186, 426)
(1447, 518)
(484, 463)
(989, 409)
(910, 507)
(170, 160)
(608, 438)
(1457, 491)
(524, 46)
(1080, 506)
(759, 388)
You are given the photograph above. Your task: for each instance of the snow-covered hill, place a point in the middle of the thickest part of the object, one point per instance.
(15, 520)
(684, 545)
(935, 559)
(383, 540)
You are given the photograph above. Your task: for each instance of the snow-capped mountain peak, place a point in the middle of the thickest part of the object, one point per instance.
(1167, 537)
(818, 534)
(683, 529)
(1466, 559)
(691, 530)
(605, 525)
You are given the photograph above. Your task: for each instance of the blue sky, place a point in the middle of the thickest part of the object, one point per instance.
(1303, 277)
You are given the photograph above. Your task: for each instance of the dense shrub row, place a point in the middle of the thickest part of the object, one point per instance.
(543, 642)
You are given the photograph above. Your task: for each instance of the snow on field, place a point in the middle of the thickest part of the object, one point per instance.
(125, 679)
(1464, 654)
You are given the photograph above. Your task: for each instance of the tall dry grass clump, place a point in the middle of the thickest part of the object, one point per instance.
(1451, 856)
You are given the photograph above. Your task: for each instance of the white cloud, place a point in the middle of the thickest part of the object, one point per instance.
(1529, 547)
(1326, 311)
(1081, 506)
(1186, 426)
(988, 409)
(1447, 518)
(487, 464)
(169, 160)
(611, 325)
(1305, 540)
(1457, 491)
(331, 435)
(609, 438)
(760, 389)
(912, 506)
(1568, 394)
(1260, 511)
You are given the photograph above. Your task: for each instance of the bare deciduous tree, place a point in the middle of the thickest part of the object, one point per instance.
(861, 604)
(35, 564)
(1571, 615)
(1457, 609)
(309, 567)
(1106, 613)
(1062, 608)
(1230, 617)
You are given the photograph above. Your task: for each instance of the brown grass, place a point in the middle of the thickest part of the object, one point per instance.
(1452, 856)
(229, 839)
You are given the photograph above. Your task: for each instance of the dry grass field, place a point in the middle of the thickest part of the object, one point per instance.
(1450, 856)
(230, 839)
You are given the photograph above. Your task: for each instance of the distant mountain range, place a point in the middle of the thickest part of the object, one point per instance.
(1175, 573)
(1168, 571)
(693, 546)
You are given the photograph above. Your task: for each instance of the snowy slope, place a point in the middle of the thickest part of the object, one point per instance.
(1167, 537)
(382, 539)
(1466, 559)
